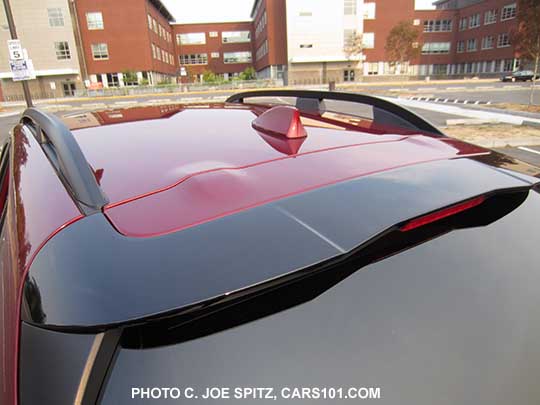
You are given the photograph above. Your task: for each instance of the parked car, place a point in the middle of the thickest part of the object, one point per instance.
(519, 76)
(318, 243)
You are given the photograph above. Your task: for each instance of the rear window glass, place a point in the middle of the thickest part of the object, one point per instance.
(453, 317)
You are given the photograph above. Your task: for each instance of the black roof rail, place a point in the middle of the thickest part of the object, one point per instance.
(66, 156)
(398, 114)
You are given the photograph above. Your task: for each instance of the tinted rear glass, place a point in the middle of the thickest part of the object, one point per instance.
(453, 320)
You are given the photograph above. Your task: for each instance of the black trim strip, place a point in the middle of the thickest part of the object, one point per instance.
(97, 366)
(66, 156)
(401, 112)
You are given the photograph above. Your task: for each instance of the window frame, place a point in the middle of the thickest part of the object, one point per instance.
(180, 36)
(241, 38)
(62, 54)
(194, 59)
(226, 59)
(513, 12)
(93, 26)
(92, 48)
(55, 20)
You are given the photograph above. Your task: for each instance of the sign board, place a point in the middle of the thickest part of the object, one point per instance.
(15, 49)
(21, 69)
(95, 86)
(183, 71)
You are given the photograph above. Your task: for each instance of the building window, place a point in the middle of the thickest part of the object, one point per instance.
(112, 79)
(349, 7)
(463, 24)
(149, 21)
(194, 59)
(94, 20)
(490, 17)
(508, 12)
(440, 69)
(213, 34)
(261, 24)
(62, 50)
(368, 40)
(154, 25)
(262, 51)
(471, 45)
(214, 55)
(100, 51)
(488, 42)
(430, 48)
(193, 38)
(438, 26)
(56, 18)
(234, 37)
(474, 20)
(503, 41)
(237, 57)
(369, 11)
(348, 75)
(508, 65)
(461, 46)
(373, 68)
(153, 51)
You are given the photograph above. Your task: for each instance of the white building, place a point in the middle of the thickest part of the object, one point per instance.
(317, 35)
(46, 31)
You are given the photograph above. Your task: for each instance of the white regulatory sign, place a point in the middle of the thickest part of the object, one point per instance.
(21, 70)
(15, 49)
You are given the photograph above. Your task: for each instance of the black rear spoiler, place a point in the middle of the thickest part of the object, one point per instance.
(90, 277)
(309, 101)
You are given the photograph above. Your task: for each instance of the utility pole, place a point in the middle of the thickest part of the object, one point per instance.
(13, 32)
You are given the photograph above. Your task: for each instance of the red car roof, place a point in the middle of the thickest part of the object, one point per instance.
(179, 166)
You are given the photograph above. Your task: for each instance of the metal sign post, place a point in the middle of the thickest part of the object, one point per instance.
(16, 55)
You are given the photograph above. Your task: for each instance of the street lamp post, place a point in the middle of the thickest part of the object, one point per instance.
(13, 33)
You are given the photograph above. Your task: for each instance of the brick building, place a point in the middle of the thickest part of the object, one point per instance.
(126, 42)
(225, 49)
(104, 43)
(270, 42)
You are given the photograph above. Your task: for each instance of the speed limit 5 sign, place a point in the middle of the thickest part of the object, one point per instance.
(15, 49)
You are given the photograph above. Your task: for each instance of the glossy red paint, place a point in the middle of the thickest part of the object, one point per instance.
(282, 120)
(208, 195)
(39, 208)
(137, 158)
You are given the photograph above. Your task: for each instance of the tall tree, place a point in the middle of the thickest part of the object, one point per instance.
(354, 45)
(402, 43)
(526, 38)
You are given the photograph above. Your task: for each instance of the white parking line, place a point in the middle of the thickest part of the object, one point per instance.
(456, 88)
(529, 150)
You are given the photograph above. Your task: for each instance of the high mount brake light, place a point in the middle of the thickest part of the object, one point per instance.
(444, 213)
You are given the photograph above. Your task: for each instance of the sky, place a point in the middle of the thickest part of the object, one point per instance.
(187, 11)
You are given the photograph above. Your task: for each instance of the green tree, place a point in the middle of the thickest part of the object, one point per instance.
(526, 38)
(209, 77)
(402, 43)
(248, 74)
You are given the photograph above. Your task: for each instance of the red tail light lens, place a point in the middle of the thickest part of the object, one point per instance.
(445, 212)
